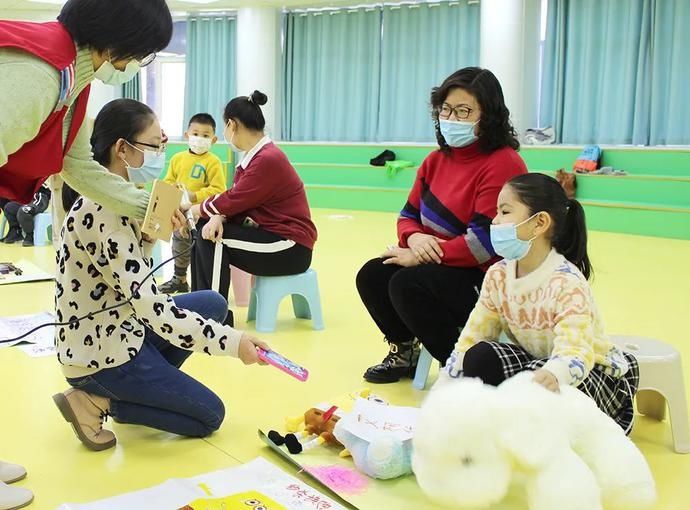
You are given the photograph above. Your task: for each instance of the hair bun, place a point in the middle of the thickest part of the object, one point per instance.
(259, 98)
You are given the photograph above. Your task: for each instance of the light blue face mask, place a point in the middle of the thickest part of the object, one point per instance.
(150, 170)
(506, 242)
(458, 133)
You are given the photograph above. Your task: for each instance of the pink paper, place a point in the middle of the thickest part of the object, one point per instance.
(340, 479)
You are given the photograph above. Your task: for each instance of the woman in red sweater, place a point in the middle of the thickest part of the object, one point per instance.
(264, 218)
(424, 289)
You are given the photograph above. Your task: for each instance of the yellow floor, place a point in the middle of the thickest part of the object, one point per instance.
(642, 286)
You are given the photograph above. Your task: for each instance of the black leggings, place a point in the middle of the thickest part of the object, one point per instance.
(428, 302)
(256, 251)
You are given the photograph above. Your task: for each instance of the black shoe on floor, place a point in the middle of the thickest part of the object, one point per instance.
(381, 159)
(400, 362)
(28, 241)
(173, 286)
(14, 235)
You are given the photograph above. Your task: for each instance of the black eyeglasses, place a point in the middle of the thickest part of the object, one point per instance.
(160, 149)
(461, 112)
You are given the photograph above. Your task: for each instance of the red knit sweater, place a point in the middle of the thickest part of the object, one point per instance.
(454, 198)
(270, 192)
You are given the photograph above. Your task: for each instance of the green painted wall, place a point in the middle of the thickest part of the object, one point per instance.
(654, 199)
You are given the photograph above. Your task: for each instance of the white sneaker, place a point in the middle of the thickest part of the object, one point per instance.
(10, 473)
(12, 498)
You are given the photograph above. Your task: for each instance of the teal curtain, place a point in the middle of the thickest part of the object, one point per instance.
(596, 75)
(331, 75)
(422, 44)
(132, 89)
(670, 83)
(211, 62)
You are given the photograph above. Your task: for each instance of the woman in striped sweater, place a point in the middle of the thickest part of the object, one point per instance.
(423, 289)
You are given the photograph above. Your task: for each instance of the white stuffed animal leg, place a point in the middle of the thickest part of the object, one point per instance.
(566, 483)
(623, 475)
(621, 470)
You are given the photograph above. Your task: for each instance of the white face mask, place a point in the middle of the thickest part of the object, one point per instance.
(229, 142)
(151, 168)
(111, 76)
(199, 145)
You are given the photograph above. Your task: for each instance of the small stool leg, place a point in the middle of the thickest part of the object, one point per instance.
(651, 403)
(423, 367)
(678, 410)
(251, 313)
(300, 306)
(267, 313)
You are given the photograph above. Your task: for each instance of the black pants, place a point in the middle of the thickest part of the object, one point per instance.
(428, 302)
(256, 251)
(17, 218)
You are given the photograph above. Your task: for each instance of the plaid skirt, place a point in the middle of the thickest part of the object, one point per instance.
(614, 396)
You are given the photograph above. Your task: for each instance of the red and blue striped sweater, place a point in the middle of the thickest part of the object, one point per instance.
(454, 198)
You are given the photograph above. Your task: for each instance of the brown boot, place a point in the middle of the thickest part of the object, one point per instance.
(86, 412)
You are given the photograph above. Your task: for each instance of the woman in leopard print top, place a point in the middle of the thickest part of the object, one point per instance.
(126, 363)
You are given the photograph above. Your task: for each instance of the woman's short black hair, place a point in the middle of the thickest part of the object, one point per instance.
(247, 110)
(127, 28)
(121, 118)
(495, 129)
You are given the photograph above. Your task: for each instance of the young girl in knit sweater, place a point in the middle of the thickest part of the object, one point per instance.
(540, 298)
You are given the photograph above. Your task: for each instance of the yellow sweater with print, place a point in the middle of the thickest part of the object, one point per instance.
(550, 312)
(200, 174)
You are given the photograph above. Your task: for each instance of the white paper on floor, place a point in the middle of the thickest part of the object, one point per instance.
(257, 484)
(38, 344)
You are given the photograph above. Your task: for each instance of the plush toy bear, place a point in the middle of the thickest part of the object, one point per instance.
(473, 441)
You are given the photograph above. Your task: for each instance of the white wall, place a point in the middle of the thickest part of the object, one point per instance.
(258, 59)
(37, 15)
(509, 47)
(100, 95)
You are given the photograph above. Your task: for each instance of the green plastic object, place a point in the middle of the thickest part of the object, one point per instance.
(393, 167)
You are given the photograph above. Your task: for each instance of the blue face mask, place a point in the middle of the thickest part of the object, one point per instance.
(506, 242)
(458, 133)
(150, 170)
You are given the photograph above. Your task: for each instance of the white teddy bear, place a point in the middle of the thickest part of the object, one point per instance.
(473, 442)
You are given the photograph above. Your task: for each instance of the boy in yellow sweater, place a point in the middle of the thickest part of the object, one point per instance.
(201, 173)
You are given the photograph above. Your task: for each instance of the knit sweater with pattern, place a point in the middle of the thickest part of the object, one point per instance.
(550, 312)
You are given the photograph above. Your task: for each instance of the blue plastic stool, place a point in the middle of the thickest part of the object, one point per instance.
(423, 367)
(43, 229)
(269, 291)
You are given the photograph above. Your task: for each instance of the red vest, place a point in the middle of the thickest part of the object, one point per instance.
(42, 157)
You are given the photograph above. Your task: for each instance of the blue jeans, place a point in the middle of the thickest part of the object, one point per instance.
(151, 389)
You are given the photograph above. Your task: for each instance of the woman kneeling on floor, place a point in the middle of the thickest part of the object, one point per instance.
(125, 363)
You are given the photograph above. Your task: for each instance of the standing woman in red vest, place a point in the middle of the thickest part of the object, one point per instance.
(45, 72)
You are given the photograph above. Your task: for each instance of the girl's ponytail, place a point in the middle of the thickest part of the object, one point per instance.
(571, 238)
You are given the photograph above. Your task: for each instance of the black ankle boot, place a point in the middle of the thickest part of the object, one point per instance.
(400, 362)
(14, 235)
